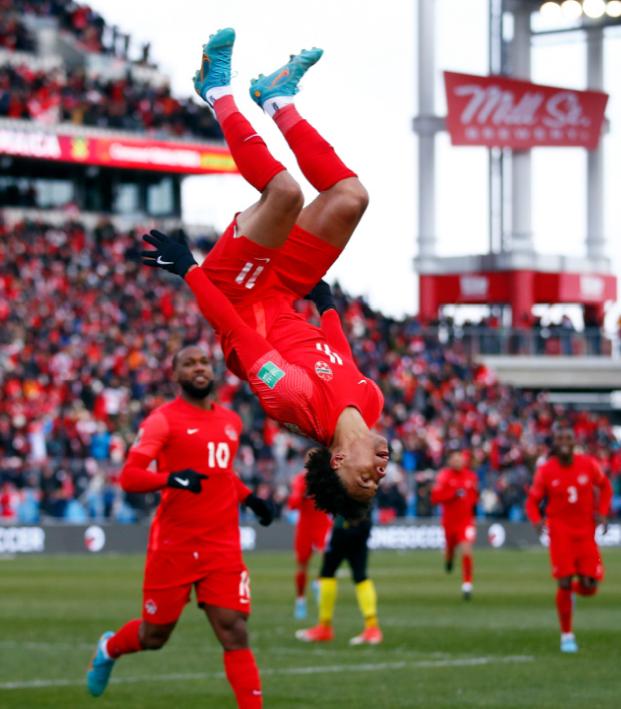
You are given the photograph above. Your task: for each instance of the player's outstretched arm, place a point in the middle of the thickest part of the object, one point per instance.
(175, 256)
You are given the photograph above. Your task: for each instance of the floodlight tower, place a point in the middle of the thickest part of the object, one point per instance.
(512, 273)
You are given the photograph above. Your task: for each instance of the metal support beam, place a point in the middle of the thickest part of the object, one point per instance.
(520, 240)
(426, 133)
(595, 239)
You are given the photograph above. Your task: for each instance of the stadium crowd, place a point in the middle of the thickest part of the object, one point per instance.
(80, 20)
(86, 338)
(122, 104)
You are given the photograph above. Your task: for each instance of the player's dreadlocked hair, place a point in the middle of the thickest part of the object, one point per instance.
(327, 490)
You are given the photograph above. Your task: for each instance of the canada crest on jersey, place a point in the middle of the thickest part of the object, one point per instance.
(323, 370)
(230, 432)
(583, 479)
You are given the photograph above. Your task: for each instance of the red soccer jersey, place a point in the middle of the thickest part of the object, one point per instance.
(304, 376)
(457, 492)
(178, 435)
(310, 377)
(570, 493)
(310, 516)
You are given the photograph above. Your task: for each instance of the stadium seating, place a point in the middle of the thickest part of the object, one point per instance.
(86, 339)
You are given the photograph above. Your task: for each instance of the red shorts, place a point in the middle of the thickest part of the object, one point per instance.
(309, 538)
(169, 578)
(575, 554)
(458, 534)
(248, 273)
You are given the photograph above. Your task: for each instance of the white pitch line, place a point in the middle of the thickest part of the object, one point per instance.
(320, 669)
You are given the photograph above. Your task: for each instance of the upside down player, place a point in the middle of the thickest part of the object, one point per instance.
(194, 537)
(577, 495)
(348, 541)
(311, 534)
(456, 489)
(273, 253)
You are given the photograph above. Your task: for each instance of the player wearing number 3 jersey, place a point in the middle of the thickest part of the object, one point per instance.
(577, 496)
(194, 538)
(274, 252)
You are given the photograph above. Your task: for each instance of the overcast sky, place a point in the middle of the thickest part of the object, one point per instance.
(362, 96)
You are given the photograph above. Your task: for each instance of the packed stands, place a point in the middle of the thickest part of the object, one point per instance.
(86, 339)
(122, 104)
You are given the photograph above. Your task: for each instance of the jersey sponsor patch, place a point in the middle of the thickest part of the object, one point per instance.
(323, 371)
(270, 374)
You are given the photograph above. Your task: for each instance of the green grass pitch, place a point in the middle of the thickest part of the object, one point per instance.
(500, 650)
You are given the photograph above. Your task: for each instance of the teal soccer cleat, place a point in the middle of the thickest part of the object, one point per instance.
(100, 668)
(284, 81)
(216, 62)
(569, 644)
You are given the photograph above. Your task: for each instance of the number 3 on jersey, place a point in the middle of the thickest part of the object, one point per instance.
(219, 455)
(572, 494)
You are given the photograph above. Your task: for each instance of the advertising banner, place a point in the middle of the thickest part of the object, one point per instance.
(137, 154)
(402, 535)
(497, 111)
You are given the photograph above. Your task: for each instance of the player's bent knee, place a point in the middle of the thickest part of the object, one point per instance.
(353, 199)
(565, 583)
(284, 194)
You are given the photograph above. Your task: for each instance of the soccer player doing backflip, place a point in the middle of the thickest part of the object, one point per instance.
(577, 495)
(273, 253)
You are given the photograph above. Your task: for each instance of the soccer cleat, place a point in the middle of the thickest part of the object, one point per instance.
(318, 634)
(466, 590)
(299, 611)
(100, 668)
(568, 643)
(369, 636)
(284, 81)
(448, 565)
(216, 62)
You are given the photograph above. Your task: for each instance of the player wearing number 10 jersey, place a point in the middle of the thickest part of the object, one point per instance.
(273, 253)
(194, 538)
(577, 495)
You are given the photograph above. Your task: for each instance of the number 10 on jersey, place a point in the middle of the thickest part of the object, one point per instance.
(219, 455)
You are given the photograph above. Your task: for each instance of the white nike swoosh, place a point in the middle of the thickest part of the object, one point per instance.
(362, 381)
(256, 258)
(244, 600)
(192, 430)
(181, 481)
(163, 263)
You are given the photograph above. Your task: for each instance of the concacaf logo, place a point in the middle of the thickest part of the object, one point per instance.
(323, 371)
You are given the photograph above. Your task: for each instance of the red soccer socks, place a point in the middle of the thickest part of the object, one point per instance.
(253, 159)
(466, 568)
(564, 609)
(126, 640)
(300, 583)
(243, 676)
(317, 159)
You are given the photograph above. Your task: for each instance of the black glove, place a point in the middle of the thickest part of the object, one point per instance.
(186, 479)
(321, 295)
(172, 253)
(261, 508)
